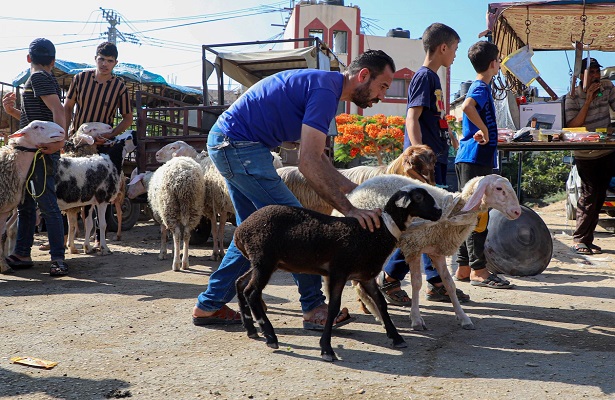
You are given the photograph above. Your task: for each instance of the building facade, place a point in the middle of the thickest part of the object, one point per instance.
(339, 27)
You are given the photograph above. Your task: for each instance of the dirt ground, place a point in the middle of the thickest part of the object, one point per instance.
(119, 326)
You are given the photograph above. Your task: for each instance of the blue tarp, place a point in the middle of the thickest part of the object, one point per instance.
(130, 72)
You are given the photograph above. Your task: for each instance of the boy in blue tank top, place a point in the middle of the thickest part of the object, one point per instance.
(476, 157)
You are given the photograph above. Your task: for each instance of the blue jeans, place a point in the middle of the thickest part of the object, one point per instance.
(252, 183)
(47, 201)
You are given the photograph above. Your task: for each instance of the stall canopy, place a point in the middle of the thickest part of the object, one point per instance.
(553, 25)
(135, 78)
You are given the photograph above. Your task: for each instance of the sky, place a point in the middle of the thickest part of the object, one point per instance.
(170, 32)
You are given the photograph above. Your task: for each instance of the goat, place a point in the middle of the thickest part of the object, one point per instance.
(299, 240)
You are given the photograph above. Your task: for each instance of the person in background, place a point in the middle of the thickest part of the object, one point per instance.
(40, 101)
(287, 106)
(425, 124)
(477, 157)
(98, 96)
(589, 107)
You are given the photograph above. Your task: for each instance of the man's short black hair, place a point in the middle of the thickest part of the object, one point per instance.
(438, 34)
(374, 60)
(481, 54)
(593, 63)
(107, 49)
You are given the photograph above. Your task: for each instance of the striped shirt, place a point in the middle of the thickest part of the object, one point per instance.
(598, 115)
(97, 102)
(40, 83)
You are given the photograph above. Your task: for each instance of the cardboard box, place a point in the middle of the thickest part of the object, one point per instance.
(549, 115)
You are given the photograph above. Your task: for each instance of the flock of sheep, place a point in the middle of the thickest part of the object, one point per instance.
(187, 187)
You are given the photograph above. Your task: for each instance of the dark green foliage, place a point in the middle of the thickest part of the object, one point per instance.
(544, 172)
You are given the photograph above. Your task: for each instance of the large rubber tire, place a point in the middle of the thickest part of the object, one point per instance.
(130, 215)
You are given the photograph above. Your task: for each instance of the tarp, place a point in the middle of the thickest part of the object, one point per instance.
(134, 75)
(249, 68)
(554, 24)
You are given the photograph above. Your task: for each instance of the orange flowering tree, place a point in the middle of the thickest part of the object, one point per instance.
(376, 136)
(454, 125)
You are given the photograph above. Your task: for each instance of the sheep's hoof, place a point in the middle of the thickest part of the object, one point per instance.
(74, 250)
(5, 269)
(419, 326)
(89, 250)
(254, 335)
(329, 357)
(104, 251)
(400, 344)
(185, 267)
(162, 257)
(468, 326)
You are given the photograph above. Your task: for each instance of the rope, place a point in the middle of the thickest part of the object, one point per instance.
(32, 192)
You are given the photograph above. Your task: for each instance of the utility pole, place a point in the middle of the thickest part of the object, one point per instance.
(113, 19)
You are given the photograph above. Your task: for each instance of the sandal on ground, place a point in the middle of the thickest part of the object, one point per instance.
(466, 279)
(583, 249)
(319, 318)
(58, 268)
(595, 249)
(438, 293)
(392, 291)
(15, 262)
(224, 316)
(493, 281)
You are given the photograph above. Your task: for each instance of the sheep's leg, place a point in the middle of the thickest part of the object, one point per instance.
(186, 239)
(89, 225)
(176, 233)
(253, 292)
(214, 234)
(439, 262)
(4, 267)
(221, 226)
(371, 288)
(11, 234)
(244, 307)
(163, 242)
(336, 286)
(416, 280)
(71, 215)
(102, 225)
(118, 213)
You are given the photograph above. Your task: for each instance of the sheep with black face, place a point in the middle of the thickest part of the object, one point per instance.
(304, 241)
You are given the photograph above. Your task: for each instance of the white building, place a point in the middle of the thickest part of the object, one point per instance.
(339, 27)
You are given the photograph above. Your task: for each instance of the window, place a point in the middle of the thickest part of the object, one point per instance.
(316, 33)
(340, 42)
(398, 88)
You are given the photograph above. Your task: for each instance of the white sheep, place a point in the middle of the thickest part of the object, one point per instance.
(299, 240)
(415, 161)
(218, 205)
(443, 238)
(93, 180)
(15, 161)
(175, 194)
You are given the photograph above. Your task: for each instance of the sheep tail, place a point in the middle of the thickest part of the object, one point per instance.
(367, 300)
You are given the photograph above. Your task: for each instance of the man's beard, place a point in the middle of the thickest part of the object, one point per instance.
(361, 96)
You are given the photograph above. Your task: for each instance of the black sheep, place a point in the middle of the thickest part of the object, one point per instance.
(303, 241)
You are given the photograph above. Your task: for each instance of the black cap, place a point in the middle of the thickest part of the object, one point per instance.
(593, 63)
(42, 47)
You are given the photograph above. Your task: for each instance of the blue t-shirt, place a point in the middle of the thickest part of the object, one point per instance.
(425, 91)
(469, 150)
(273, 110)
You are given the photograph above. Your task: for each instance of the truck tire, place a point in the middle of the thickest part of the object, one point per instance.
(130, 215)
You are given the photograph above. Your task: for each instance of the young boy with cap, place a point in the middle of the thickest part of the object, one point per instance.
(40, 101)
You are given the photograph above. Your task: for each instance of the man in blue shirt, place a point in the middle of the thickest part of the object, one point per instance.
(287, 106)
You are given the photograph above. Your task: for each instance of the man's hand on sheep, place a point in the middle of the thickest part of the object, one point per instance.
(368, 219)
